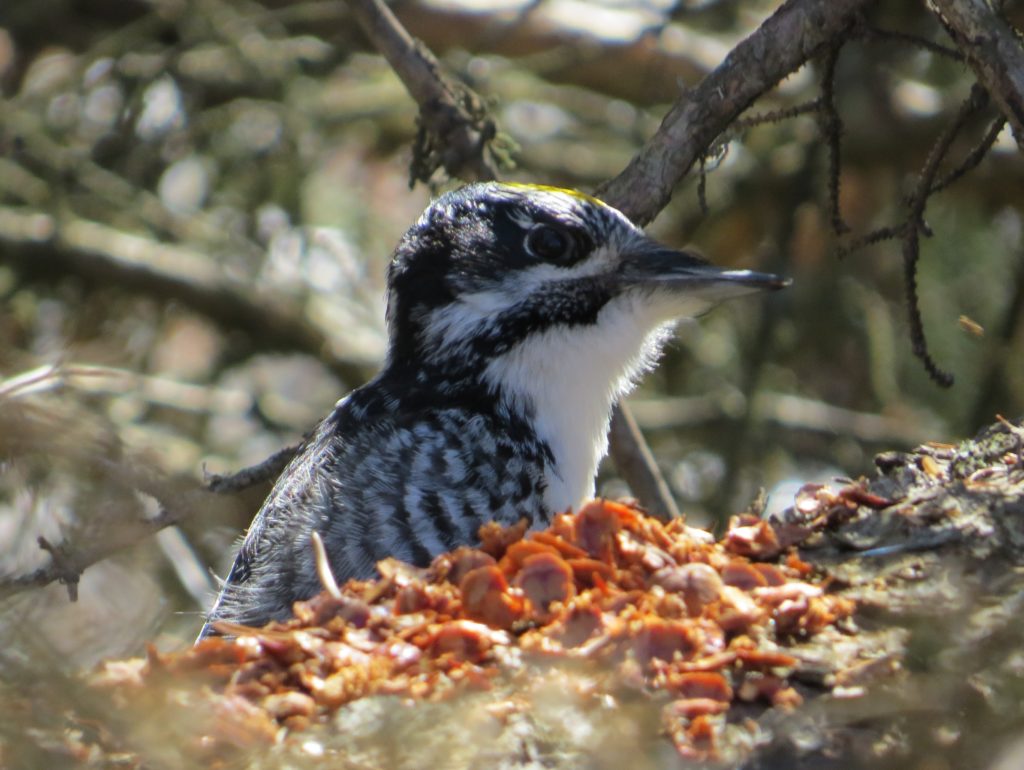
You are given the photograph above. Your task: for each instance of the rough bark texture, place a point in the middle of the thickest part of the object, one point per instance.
(994, 51)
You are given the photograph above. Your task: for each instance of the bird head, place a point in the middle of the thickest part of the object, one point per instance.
(544, 304)
(489, 266)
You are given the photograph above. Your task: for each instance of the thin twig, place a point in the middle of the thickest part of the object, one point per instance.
(910, 230)
(777, 116)
(70, 559)
(914, 223)
(192, 572)
(59, 433)
(911, 255)
(973, 158)
(887, 233)
(917, 41)
(262, 472)
(832, 129)
(634, 461)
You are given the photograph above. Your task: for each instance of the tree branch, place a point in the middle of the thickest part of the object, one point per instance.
(636, 464)
(263, 472)
(452, 116)
(781, 45)
(915, 224)
(62, 435)
(994, 51)
(178, 499)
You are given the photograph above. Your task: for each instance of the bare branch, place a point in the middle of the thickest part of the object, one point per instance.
(178, 498)
(883, 35)
(994, 51)
(832, 129)
(268, 470)
(973, 158)
(634, 461)
(453, 119)
(33, 424)
(887, 233)
(777, 116)
(781, 45)
(915, 223)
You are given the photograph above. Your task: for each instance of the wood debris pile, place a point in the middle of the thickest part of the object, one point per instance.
(642, 606)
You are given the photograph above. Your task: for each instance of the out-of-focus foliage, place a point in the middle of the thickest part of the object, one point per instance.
(198, 200)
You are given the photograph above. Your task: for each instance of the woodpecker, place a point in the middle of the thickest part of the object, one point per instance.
(517, 316)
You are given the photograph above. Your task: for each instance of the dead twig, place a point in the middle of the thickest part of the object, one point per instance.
(887, 233)
(970, 161)
(454, 127)
(832, 130)
(178, 499)
(636, 463)
(915, 224)
(973, 158)
(31, 424)
(261, 473)
(910, 229)
(886, 35)
(777, 116)
(781, 45)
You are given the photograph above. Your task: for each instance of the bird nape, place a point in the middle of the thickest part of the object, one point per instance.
(517, 316)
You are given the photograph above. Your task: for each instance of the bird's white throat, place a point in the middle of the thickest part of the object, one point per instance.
(566, 379)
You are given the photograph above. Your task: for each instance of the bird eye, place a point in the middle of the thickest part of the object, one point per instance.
(549, 243)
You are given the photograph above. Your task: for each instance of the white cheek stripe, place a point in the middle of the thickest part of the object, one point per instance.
(473, 312)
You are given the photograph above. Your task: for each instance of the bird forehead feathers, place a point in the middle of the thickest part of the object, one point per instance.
(486, 223)
(525, 202)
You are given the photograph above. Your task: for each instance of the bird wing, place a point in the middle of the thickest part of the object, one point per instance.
(409, 485)
(289, 496)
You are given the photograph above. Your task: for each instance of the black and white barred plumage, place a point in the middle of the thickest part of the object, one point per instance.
(517, 316)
